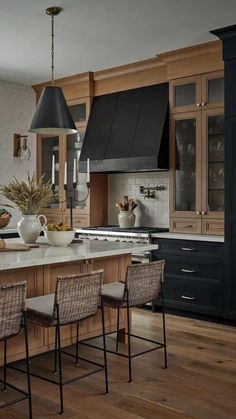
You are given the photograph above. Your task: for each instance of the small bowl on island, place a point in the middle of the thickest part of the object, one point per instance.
(59, 235)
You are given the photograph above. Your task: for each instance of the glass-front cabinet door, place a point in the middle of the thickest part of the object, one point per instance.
(49, 146)
(213, 168)
(185, 94)
(213, 90)
(73, 149)
(186, 162)
(79, 109)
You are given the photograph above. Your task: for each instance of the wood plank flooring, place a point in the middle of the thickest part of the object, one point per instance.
(199, 383)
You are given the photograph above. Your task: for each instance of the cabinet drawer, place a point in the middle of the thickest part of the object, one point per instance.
(213, 226)
(195, 299)
(188, 248)
(185, 225)
(195, 271)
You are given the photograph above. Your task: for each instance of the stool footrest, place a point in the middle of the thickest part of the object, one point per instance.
(24, 396)
(159, 345)
(95, 371)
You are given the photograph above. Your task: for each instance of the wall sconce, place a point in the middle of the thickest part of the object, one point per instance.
(149, 191)
(20, 147)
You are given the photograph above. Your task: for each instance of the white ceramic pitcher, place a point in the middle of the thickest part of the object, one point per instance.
(30, 227)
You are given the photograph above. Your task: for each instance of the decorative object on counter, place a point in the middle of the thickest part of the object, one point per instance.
(5, 217)
(149, 191)
(20, 147)
(15, 247)
(71, 198)
(126, 217)
(29, 198)
(59, 234)
(52, 115)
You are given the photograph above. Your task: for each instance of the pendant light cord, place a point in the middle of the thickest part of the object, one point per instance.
(52, 50)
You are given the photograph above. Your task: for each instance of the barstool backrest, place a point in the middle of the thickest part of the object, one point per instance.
(77, 296)
(12, 306)
(143, 282)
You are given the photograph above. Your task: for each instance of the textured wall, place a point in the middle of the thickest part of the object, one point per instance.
(17, 105)
(150, 212)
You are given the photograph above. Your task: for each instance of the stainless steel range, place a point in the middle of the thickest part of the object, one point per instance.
(115, 233)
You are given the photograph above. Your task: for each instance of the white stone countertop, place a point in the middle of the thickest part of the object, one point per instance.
(180, 236)
(46, 254)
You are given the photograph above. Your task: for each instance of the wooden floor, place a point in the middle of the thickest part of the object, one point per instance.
(199, 383)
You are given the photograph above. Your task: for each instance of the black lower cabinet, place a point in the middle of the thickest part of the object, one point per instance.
(193, 279)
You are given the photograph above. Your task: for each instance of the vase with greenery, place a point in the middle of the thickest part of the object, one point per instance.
(29, 198)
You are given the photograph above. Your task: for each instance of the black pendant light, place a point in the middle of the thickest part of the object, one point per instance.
(52, 115)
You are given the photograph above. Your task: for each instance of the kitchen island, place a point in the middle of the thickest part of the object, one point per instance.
(41, 266)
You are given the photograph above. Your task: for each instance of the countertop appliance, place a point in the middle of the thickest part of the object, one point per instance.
(115, 233)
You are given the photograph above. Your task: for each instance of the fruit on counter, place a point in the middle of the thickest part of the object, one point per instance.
(128, 205)
(2, 244)
(58, 227)
(4, 213)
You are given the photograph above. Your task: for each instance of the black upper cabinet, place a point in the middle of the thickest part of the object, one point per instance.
(128, 131)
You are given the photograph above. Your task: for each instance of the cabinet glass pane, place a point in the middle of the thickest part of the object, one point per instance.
(185, 176)
(50, 146)
(216, 90)
(185, 94)
(78, 112)
(216, 163)
(74, 145)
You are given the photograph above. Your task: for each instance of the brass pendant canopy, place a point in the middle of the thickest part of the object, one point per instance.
(52, 115)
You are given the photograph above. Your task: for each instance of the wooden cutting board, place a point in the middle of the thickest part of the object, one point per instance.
(15, 247)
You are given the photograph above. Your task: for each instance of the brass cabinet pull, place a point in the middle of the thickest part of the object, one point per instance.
(186, 297)
(187, 225)
(218, 227)
(189, 271)
(188, 249)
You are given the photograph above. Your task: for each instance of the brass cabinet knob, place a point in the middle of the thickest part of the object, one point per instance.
(203, 212)
(198, 212)
(203, 103)
(198, 104)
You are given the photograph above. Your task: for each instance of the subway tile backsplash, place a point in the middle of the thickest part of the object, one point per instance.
(150, 211)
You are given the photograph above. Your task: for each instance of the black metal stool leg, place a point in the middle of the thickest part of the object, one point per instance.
(77, 345)
(60, 368)
(117, 329)
(104, 348)
(55, 353)
(164, 326)
(27, 366)
(5, 365)
(129, 345)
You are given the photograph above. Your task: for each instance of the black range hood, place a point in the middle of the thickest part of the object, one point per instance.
(128, 131)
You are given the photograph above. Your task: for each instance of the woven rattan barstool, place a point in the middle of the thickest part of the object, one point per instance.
(143, 284)
(12, 321)
(76, 298)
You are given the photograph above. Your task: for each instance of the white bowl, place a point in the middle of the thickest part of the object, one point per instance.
(59, 238)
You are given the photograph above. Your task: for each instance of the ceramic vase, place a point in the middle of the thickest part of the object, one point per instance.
(126, 219)
(30, 227)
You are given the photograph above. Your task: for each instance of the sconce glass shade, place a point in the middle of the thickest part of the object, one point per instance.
(52, 115)
(24, 151)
